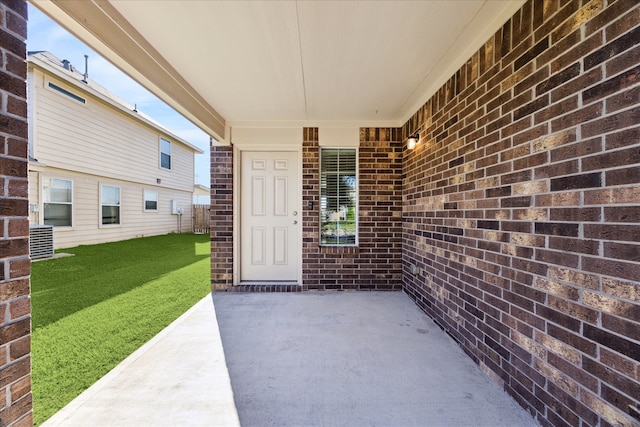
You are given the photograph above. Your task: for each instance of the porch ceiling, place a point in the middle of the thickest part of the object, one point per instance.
(286, 63)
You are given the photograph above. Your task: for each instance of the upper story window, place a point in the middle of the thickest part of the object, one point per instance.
(65, 92)
(110, 204)
(150, 201)
(165, 153)
(338, 196)
(57, 196)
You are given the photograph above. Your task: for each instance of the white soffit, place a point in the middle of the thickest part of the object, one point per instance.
(364, 60)
(315, 63)
(244, 57)
(320, 62)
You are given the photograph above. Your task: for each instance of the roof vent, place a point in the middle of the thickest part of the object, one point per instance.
(66, 65)
(86, 69)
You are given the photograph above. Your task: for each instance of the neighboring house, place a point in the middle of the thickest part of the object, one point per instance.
(99, 170)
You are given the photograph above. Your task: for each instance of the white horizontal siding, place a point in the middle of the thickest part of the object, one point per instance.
(95, 138)
(134, 221)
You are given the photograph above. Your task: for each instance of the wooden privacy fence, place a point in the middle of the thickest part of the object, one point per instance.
(201, 219)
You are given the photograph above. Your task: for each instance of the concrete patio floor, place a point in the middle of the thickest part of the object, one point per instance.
(351, 359)
(297, 359)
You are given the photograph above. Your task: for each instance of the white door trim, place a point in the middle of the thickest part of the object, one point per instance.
(237, 155)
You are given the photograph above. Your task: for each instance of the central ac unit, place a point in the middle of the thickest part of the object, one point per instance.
(41, 241)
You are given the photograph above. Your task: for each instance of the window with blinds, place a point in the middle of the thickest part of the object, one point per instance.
(57, 195)
(110, 201)
(338, 196)
(150, 201)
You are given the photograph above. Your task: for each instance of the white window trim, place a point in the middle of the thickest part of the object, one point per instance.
(31, 116)
(357, 221)
(100, 224)
(57, 227)
(144, 201)
(160, 152)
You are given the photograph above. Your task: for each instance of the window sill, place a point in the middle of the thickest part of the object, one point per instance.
(109, 225)
(335, 249)
(62, 227)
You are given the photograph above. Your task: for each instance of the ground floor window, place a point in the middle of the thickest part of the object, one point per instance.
(110, 204)
(150, 201)
(57, 196)
(338, 196)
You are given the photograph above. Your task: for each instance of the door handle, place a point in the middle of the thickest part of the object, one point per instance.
(295, 213)
(295, 221)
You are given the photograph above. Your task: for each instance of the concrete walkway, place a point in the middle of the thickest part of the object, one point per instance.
(351, 359)
(178, 378)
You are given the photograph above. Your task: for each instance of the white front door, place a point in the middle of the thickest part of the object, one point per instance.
(269, 220)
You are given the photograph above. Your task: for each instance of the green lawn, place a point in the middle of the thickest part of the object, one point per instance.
(92, 310)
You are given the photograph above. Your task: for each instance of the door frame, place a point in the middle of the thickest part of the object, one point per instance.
(237, 156)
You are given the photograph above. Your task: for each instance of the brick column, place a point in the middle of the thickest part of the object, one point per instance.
(221, 217)
(15, 305)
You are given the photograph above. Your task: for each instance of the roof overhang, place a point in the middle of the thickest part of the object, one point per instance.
(225, 64)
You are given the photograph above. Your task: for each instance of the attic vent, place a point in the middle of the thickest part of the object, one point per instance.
(41, 241)
(67, 93)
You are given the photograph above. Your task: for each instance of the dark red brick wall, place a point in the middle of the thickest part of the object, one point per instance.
(221, 217)
(376, 262)
(15, 268)
(522, 210)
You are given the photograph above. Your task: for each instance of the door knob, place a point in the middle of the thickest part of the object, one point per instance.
(295, 221)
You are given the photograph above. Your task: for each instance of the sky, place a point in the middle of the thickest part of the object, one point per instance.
(45, 34)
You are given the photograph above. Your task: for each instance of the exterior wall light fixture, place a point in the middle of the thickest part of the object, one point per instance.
(413, 141)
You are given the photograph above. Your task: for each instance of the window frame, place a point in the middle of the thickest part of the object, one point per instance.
(356, 206)
(102, 205)
(44, 203)
(145, 199)
(163, 153)
(62, 91)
